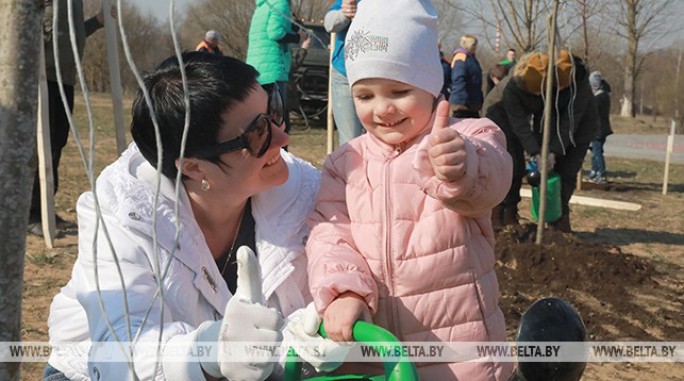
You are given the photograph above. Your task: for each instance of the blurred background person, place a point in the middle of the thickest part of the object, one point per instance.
(601, 91)
(268, 46)
(510, 60)
(59, 122)
(495, 75)
(210, 43)
(517, 107)
(578, 122)
(446, 69)
(337, 20)
(466, 80)
(516, 103)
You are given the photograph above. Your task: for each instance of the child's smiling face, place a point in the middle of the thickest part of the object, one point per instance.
(394, 112)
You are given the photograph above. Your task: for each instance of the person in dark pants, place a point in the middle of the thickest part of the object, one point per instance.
(516, 100)
(446, 69)
(601, 91)
(517, 107)
(59, 123)
(578, 123)
(338, 19)
(271, 32)
(495, 75)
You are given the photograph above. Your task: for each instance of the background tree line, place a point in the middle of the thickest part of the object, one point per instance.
(636, 44)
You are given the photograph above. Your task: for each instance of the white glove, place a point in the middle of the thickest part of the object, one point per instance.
(246, 319)
(302, 329)
(550, 161)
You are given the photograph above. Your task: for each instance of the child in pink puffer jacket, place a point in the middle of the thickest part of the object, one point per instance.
(401, 235)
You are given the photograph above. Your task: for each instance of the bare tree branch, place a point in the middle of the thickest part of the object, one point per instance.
(642, 19)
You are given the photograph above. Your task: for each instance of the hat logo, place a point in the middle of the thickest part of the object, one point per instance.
(362, 42)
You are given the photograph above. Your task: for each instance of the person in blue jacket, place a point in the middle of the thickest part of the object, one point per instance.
(466, 96)
(337, 19)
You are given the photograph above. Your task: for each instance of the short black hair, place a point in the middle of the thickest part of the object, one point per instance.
(215, 85)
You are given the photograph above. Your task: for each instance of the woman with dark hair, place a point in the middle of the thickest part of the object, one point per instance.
(157, 257)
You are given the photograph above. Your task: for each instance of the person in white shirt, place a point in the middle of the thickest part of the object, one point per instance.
(157, 264)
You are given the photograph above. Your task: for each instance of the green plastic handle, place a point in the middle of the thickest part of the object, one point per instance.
(367, 333)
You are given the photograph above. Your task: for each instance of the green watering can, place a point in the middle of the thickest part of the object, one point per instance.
(367, 333)
(554, 208)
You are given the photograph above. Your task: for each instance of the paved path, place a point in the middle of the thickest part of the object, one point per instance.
(650, 147)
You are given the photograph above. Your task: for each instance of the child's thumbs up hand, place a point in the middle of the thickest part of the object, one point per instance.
(447, 150)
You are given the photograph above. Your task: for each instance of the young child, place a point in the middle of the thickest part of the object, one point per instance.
(401, 229)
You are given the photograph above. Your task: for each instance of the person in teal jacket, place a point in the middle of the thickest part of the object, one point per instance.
(270, 34)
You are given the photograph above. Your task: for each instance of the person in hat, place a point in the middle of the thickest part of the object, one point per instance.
(517, 106)
(516, 100)
(601, 91)
(378, 247)
(575, 121)
(210, 43)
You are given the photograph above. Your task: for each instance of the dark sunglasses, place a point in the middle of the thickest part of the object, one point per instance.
(257, 136)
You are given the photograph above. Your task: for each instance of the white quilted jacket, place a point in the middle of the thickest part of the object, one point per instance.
(193, 290)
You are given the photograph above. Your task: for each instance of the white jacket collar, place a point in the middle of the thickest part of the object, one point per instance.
(278, 214)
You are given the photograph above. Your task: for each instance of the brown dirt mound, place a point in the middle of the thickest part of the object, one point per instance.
(608, 288)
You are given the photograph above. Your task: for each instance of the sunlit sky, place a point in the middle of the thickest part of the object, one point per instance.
(160, 9)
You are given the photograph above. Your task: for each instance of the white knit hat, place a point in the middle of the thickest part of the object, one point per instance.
(395, 40)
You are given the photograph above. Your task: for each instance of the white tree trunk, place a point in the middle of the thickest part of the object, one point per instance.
(626, 106)
(20, 38)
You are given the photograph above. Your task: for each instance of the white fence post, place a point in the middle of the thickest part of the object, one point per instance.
(47, 182)
(668, 153)
(111, 42)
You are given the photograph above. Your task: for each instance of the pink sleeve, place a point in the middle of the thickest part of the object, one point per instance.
(489, 169)
(334, 264)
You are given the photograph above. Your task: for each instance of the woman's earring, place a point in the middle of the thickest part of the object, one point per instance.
(205, 185)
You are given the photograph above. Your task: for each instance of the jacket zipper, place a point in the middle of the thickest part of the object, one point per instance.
(387, 265)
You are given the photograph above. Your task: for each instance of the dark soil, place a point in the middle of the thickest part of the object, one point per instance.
(609, 288)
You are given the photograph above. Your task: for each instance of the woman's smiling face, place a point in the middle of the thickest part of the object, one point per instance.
(394, 112)
(240, 168)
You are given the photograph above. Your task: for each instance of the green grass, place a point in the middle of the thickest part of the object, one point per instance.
(42, 287)
(43, 258)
